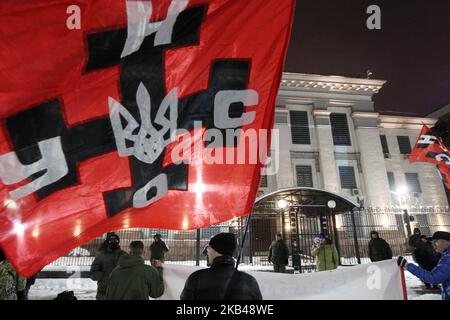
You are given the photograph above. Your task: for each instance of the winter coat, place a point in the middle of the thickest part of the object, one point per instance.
(413, 240)
(379, 250)
(327, 257)
(10, 281)
(278, 252)
(212, 283)
(439, 275)
(104, 263)
(158, 250)
(134, 280)
(425, 255)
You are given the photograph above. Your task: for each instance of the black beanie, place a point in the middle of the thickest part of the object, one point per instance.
(223, 243)
(110, 235)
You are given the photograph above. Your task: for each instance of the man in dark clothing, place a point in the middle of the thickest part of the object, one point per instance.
(133, 279)
(414, 238)
(105, 262)
(379, 249)
(279, 254)
(221, 281)
(158, 249)
(425, 256)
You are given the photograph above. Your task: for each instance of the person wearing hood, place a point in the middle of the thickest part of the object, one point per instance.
(414, 238)
(133, 279)
(379, 249)
(158, 248)
(327, 257)
(221, 281)
(105, 262)
(441, 273)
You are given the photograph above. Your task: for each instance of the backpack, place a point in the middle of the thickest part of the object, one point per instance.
(66, 295)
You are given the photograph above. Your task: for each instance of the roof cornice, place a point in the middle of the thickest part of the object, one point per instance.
(334, 84)
(402, 122)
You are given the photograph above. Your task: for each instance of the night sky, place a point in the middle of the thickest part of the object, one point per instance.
(411, 51)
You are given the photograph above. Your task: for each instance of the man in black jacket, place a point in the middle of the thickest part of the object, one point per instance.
(414, 238)
(279, 254)
(158, 248)
(379, 249)
(221, 281)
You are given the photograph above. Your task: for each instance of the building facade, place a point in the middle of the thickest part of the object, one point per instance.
(331, 138)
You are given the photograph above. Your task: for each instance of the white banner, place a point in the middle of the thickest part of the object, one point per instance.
(376, 281)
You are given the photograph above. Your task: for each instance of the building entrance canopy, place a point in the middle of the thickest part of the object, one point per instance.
(311, 201)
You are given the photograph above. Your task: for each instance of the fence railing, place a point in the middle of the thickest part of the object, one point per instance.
(391, 226)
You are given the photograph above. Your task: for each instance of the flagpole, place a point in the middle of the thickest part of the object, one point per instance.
(243, 240)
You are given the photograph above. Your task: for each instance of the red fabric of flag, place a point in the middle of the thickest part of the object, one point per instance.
(87, 100)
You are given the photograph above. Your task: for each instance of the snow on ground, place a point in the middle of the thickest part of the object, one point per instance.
(417, 291)
(85, 289)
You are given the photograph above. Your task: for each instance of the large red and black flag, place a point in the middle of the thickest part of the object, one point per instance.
(430, 148)
(91, 97)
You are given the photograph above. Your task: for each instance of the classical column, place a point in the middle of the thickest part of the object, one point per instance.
(372, 159)
(285, 176)
(326, 151)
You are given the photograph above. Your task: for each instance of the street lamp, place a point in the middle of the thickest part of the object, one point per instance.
(282, 204)
(402, 190)
(331, 204)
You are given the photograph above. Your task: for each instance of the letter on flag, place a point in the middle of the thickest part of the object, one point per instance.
(90, 115)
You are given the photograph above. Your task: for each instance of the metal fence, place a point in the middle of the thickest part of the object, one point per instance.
(350, 231)
(185, 247)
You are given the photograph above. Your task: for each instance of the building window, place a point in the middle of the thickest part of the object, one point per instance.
(384, 144)
(391, 180)
(412, 180)
(304, 176)
(263, 181)
(404, 144)
(348, 179)
(339, 129)
(299, 127)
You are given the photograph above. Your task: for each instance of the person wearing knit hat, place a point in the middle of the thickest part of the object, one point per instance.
(278, 254)
(221, 281)
(158, 249)
(223, 243)
(105, 262)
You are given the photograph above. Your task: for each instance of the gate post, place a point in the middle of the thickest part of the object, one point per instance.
(336, 237)
(355, 237)
(197, 249)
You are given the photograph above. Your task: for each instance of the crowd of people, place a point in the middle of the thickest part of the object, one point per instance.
(124, 275)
